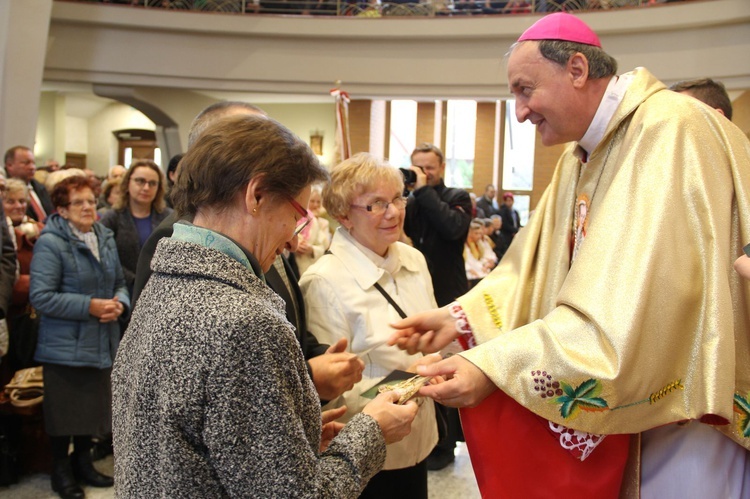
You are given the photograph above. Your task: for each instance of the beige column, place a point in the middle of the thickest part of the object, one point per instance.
(24, 26)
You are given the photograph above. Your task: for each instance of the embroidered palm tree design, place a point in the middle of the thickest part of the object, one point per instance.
(584, 397)
(742, 407)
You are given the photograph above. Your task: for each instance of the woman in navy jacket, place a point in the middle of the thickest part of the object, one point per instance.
(77, 286)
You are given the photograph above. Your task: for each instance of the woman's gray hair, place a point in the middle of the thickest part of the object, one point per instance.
(232, 151)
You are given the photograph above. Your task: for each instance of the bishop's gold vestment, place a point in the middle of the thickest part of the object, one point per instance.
(650, 324)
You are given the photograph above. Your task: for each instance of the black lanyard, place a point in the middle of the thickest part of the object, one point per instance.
(385, 295)
(390, 300)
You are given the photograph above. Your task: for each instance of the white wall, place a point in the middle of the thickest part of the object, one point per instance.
(102, 144)
(44, 145)
(77, 135)
(305, 118)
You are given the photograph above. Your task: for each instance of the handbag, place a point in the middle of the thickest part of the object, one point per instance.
(26, 389)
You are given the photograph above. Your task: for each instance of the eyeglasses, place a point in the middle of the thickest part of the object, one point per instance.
(80, 202)
(141, 182)
(380, 207)
(302, 222)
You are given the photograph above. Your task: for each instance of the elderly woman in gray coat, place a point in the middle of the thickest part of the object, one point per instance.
(211, 394)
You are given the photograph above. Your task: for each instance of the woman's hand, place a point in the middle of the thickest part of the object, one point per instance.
(426, 332)
(303, 247)
(742, 266)
(330, 427)
(394, 420)
(106, 310)
(336, 371)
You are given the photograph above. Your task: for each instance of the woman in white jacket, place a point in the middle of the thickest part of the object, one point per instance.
(345, 297)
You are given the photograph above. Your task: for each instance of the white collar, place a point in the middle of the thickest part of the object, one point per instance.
(611, 100)
(390, 262)
(362, 264)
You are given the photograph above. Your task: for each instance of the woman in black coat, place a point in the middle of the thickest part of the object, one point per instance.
(140, 210)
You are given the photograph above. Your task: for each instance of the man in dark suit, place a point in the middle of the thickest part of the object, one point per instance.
(511, 221)
(20, 164)
(487, 202)
(332, 369)
(7, 277)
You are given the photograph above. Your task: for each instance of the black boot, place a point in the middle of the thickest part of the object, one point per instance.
(63, 482)
(84, 470)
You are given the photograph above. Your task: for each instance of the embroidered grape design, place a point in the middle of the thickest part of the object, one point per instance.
(545, 386)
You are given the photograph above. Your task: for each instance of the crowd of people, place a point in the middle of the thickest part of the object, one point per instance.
(354, 7)
(229, 344)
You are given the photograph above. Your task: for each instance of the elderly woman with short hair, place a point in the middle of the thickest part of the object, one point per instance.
(78, 288)
(212, 397)
(367, 281)
(24, 232)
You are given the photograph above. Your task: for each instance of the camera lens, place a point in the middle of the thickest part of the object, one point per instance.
(410, 177)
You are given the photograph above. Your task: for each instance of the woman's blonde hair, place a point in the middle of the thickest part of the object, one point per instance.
(355, 176)
(55, 178)
(17, 185)
(158, 204)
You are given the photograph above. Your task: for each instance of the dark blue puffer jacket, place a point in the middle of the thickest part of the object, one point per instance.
(65, 276)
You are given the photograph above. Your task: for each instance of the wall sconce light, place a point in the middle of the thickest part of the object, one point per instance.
(316, 142)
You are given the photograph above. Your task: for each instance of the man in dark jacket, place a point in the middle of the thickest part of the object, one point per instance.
(437, 221)
(7, 278)
(487, 202)
(511, 221)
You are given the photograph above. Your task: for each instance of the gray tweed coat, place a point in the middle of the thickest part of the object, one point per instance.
(211, 396)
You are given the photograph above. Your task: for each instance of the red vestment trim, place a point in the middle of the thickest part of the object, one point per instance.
(515, 456)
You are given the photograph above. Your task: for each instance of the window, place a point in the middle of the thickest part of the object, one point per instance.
(461, 126)
(128, 152)
(403, 138)
(518, 153)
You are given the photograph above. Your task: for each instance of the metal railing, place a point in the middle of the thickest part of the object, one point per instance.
(381, 8)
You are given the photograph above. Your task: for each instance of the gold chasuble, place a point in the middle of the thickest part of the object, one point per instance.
(650, 324)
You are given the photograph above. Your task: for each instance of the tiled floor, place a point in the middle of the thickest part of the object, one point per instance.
(457, 480)
(37, 486)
